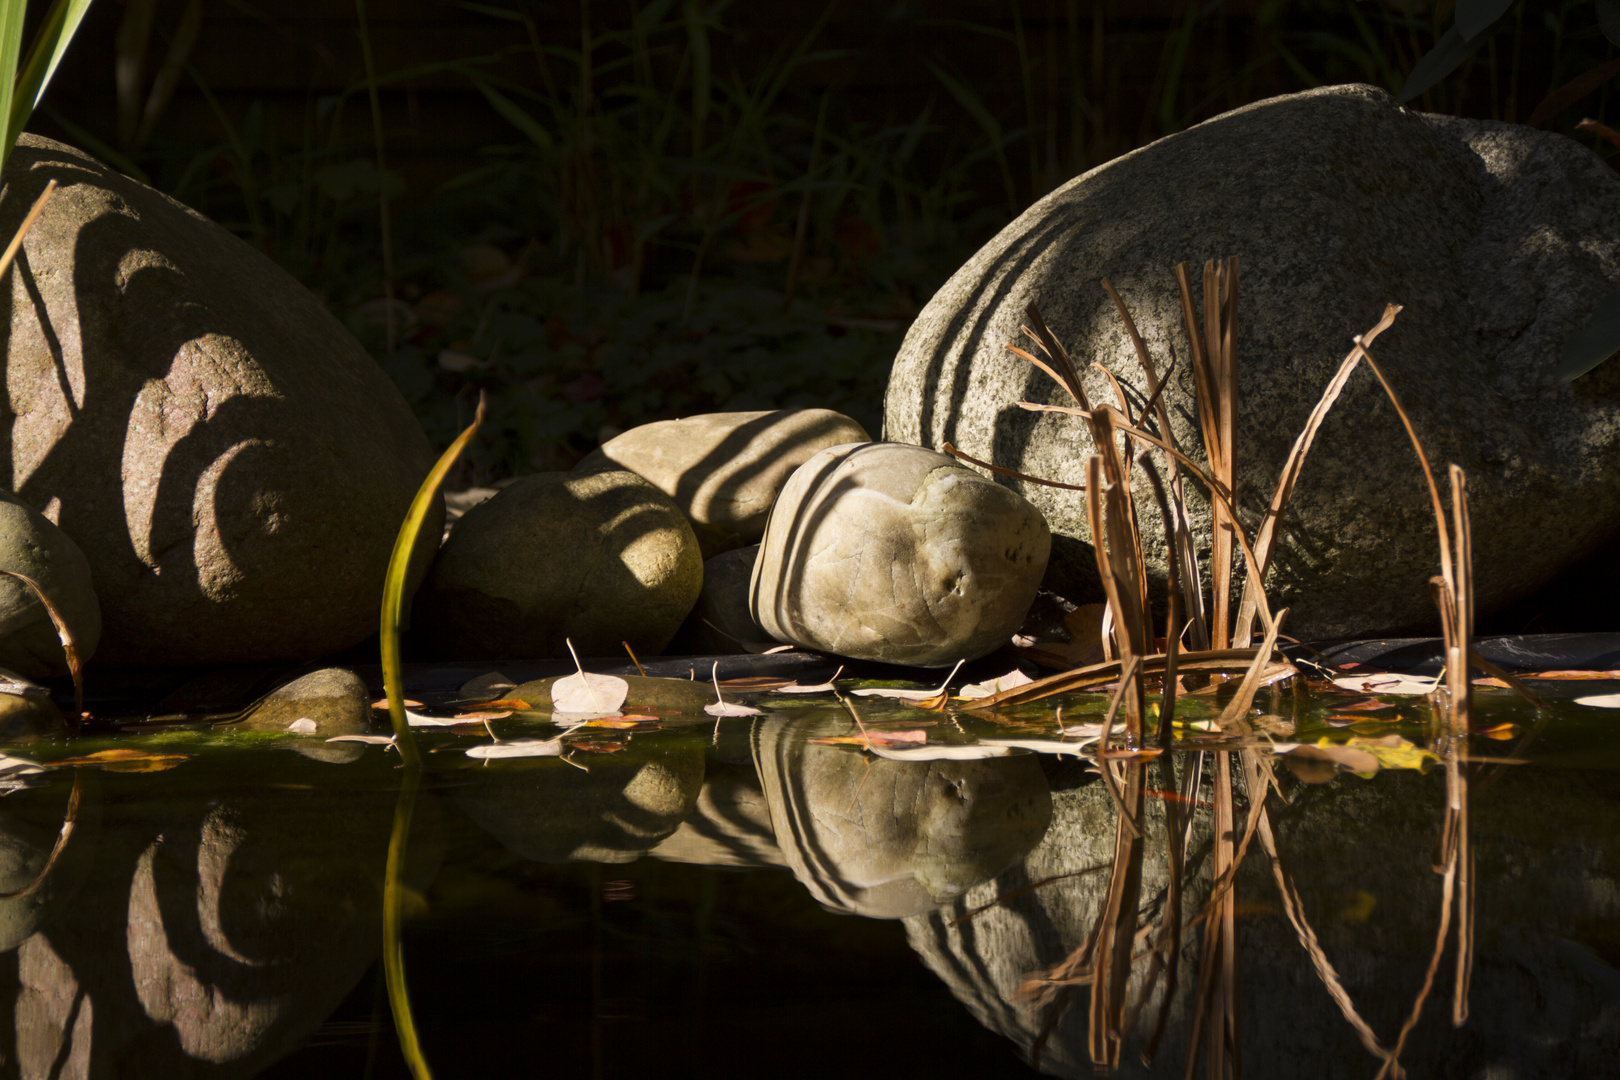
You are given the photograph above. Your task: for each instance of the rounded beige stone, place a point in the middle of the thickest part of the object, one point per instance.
(597, 557)
(724, 470)
(880, 551)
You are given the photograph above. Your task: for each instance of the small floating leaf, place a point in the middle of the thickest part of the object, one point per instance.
(126, 759)
(1393, 752)
(942, 752)
(302, 726)
(586, 693)
(519, 748)
(16, 766)
(370, 740)
(868, 739)
(474, 717)
(1386, 683)
(721, 706)
(1013, 678)
(911, 695)
(1077, 747)
(816, 688)
(1600, 701)
(382, 704)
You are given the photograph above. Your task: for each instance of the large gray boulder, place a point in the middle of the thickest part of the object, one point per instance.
(880, 551)
(597, 558)
(232, 463)
(1498, 239)
(724, 470)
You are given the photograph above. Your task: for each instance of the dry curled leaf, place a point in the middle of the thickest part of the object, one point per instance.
(867, 739)
(1385, 683)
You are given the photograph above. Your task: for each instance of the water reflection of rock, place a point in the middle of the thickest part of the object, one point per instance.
(886, 838)
(1545, 999)
(220, 927)
(613, 811)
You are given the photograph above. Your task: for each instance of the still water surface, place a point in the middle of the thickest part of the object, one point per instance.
(729, 897)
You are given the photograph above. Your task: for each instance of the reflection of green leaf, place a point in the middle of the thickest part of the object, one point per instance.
(394, 892)
(1596, 341)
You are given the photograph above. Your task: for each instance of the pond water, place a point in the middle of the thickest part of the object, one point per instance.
(732, 897)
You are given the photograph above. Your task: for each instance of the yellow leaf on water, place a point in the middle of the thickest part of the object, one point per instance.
(1393, 752)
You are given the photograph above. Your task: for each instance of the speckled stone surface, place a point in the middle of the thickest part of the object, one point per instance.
(232, 463)
(598, 557)
(1498, 240)
(880, 551)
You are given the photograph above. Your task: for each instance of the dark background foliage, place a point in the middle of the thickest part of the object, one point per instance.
(612, 211)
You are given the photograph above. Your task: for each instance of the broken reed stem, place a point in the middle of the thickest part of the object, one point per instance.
(1128, 679)
(947, 448)
(1116, 930)
(28, 223)
(70, 820)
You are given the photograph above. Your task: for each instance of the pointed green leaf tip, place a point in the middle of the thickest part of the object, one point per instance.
(1596, 341)
(393, 602)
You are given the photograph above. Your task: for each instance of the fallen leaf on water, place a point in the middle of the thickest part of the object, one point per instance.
(1143, 754)
(1077, 747)
(1393, 752)
(817, 688)
(1365, 704)
(1600, 701)
(302, 726)
(518, 748)
(1386, 683)
(381, 705)
(1013, 678)
(910, 695)
(370, 740)
(16, 766)
(1498, 731)
(500, 703)
(721, 706)
(756, 683)
(473, 717)
(416, 719)
(583, 692)
(1570, 676)
(597, 746)
(623, 722)
(126, 760)
(867, 739)
(941, 752)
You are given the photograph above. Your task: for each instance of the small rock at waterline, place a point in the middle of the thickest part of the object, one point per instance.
(31, 544)
(880, 551)
(324, 703)
(724, 469)
(598, 557)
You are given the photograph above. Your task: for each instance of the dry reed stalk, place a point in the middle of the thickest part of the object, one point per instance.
(70, 648)
(1266, 536)
(1224, 661)
(1214, 364)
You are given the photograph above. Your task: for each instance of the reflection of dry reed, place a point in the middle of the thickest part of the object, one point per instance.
(1105, 960)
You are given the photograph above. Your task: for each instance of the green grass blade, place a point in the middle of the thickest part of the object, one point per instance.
(44, 54)
(514, 114)
(975, 107)
(11, 28)
(399, 996)
(393, 602)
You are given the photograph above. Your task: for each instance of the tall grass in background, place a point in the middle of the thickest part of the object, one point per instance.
(679, 218)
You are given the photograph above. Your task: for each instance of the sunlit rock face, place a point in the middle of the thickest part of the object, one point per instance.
(724, 470)
(887, 839)
(232, 463)
(552, 811)
(886, 552)
(1544, 997)
(596, 557)
(1499, 240)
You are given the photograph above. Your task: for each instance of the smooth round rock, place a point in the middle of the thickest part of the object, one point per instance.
(880, 551)
(232, 463)
(1499, 240)
(316, 707)
(598, 557)
(32, 545)
(724, 470)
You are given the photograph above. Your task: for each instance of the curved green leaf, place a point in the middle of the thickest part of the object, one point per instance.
(44, 54)
(393, 602)
(1446, 56)
(1596, 341)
